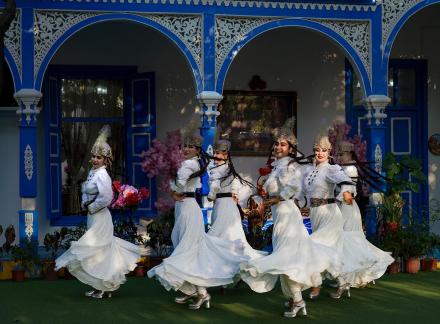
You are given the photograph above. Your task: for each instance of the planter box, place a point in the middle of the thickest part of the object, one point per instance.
(6, 269)
(428, 264)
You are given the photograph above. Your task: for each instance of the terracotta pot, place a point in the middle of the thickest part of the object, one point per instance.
(412, 265)
(154, 261)
(139, 271)
(49, 271)
(394, 268)
(18, 275)
(428, 264)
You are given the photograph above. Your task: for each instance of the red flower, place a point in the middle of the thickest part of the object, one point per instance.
(132, 199)
(264, 171)
(117, 186)
(144, 193)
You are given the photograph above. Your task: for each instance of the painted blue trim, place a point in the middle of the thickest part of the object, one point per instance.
(27, 52)
(393, 35)
(112, 17)
(28, 187)
(364, 78)
(16, 78)
(208, 51)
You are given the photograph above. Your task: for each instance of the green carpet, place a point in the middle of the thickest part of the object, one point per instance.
(401, 298)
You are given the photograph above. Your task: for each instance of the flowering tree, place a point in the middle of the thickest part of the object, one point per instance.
(164, 159)
(339, 132)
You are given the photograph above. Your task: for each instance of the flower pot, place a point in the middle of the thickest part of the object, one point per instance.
(428, 264)
(18, 275)
(394, 268)
(412, 265)
(49, 270)
(154, 261)
(139, 271)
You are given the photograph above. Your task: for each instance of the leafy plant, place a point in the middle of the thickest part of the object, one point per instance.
(26, 257)
(159, 232)
(73, 234)
(127, 230)
(54, 242)
(401, 174)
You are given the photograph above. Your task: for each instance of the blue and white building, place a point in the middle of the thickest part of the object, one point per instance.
(148, 66)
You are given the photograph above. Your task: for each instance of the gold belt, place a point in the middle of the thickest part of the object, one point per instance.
(316, 202)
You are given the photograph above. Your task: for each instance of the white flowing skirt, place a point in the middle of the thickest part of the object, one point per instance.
(353, 229)
(98, 258)
(327, 224)
(294, 254)
(227, 225)
(198, 259)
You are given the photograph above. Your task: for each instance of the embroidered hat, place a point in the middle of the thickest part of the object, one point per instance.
(286, 132)
(322, 141)
(223, 145)
(101, 146)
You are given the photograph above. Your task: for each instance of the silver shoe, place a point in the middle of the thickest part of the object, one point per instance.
(185, 298)
(90, 293)
(295, 308)
(288, 303)
(99, 294)
(201, 300)
(314, 295)
(340, 292)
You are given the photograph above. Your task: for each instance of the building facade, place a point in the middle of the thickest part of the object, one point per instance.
(148, 66)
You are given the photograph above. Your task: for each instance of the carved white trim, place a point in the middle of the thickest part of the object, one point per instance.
(29, 224)
(245, 4)
(357, 33)
(231, 30)
(378, 159)
(28, 162)
(187, 28)
(49, 26)
(13, 40)
(392, 11)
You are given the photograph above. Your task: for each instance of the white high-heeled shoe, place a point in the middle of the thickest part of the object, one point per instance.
(341, 291)
(295, 308)
(184, 299)
(90, 293)
(201, 300)
(99, 294)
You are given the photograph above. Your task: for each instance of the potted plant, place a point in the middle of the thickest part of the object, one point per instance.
(432, 242)
(53, 243)
(26, 260)
(71, 235)
(413, 246)
(159, 237)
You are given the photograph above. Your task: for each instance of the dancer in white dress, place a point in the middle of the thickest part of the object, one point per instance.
(223, 183)
(98, 258)
(296, 259)
(198, 260)
(327, 223)
(353, 221)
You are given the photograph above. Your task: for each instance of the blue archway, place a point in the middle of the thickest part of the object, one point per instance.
(306, 24)
(16, 78)
(395, 31)
(118, 17)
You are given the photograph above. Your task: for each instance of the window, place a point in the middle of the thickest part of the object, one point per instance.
(78, 101)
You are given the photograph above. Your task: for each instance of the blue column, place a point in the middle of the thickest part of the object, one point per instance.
(376, 136)
(27, 98)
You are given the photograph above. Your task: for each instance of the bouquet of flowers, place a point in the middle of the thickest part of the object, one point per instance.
(127, 197)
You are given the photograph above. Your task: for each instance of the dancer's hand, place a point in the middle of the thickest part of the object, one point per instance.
(177, 196)
(235, 197)
(348, 198)
(271, 201)
(305, 212)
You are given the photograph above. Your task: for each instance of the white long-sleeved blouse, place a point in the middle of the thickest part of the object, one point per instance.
(320, 181)
(183, 183)
(99, 185)
(218, 183)
(285, 179)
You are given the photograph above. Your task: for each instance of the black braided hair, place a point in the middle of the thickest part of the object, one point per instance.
(233, 172)
(204, 159)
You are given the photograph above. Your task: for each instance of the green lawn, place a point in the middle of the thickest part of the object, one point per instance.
(401, 298)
